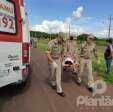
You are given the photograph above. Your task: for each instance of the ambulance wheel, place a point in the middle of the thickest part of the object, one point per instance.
(64, 69)
(26, 77)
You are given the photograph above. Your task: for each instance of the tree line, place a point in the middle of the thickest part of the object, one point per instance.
(38, 34)
(81, 37)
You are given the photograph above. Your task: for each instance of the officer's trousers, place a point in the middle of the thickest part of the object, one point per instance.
(86, 67)
(55, 78)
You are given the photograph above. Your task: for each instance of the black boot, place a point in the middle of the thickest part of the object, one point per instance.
(91, 89)
(61, 94)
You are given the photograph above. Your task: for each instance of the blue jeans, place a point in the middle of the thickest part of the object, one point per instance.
(108, 65)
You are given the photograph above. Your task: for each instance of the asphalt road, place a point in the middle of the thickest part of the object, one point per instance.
(38, 96)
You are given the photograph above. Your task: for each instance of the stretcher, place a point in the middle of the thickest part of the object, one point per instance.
(70, 64)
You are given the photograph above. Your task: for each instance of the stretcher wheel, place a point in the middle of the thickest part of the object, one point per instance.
(64, 69)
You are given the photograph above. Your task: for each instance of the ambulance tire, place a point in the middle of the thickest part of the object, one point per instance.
(27, 78)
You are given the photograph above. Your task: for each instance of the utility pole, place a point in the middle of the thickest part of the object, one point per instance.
(109, 28)
(69, 30)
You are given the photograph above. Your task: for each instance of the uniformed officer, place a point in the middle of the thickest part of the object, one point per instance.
(55, 54)
(87, 49)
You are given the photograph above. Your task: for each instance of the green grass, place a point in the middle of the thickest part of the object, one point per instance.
(42, 44)
(98, 68)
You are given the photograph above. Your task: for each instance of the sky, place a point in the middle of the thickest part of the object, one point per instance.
(84, 16)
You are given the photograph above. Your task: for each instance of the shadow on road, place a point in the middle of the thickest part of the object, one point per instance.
(10, 91)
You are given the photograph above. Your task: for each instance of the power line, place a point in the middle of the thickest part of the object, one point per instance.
(110, 25)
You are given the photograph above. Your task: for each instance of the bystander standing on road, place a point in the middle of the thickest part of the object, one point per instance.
(108, 55)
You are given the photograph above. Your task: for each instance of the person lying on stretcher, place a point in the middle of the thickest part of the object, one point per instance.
(71, 58)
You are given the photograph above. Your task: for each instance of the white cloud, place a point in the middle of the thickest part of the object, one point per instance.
(102, 33)
(89, 18)
(78, 13)
(56, 26)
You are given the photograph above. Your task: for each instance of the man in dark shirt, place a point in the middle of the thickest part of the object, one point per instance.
(108, 55)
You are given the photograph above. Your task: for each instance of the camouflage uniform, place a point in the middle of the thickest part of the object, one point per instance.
(86, 62)
(56, 51)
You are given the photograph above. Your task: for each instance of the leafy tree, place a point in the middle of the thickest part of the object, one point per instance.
(37, 34)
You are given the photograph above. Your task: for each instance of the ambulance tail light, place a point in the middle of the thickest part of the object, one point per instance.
(22, 2)
(25, 57)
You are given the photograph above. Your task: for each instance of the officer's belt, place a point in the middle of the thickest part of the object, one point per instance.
(56, 57)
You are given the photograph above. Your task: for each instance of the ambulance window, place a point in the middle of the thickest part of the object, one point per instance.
(7, 17)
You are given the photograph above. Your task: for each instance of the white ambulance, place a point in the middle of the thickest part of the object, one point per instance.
(14, 43)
